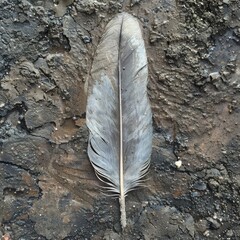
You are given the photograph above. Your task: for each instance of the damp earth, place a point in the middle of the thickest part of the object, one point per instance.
(48, 188)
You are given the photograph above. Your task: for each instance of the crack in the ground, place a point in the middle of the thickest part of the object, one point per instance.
(41, 137)
(34, 173)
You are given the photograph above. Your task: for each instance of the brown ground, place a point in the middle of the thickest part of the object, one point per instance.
(48, 188)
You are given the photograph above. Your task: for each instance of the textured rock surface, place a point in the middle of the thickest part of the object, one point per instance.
(48, 188)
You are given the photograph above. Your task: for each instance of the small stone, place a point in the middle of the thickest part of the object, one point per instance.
(178, 163)
(226, 73)
(214, 223)
(206, 233)
(214, 76)
(229, 233)
(101, 220)
(202, 225)
(195, 194)
(201, 186)
(86, 39)
(213, 173)
(213, 184)
(226, 1)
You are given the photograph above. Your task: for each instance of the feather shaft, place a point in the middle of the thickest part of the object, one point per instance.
(121, 163)
(123, 212)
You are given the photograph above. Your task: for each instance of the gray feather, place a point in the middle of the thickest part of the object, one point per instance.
(118, 111)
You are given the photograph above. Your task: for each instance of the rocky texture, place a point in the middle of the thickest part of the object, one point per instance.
(48, 188)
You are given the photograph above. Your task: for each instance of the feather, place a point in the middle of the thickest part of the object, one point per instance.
(118, 112)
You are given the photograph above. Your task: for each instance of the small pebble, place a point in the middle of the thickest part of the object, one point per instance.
(229, 233)
(178, 163)
(226, 1)
(86, 39)
(2, 105)
(213, 184)
(214, 223)
(200, 186)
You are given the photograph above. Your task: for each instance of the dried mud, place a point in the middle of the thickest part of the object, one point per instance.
(48, 188)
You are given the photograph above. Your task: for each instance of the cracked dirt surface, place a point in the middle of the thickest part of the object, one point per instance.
(48, 188)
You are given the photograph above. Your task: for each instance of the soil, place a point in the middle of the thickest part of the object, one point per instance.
(48, 187)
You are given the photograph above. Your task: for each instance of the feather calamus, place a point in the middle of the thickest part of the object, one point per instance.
(118, 112)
